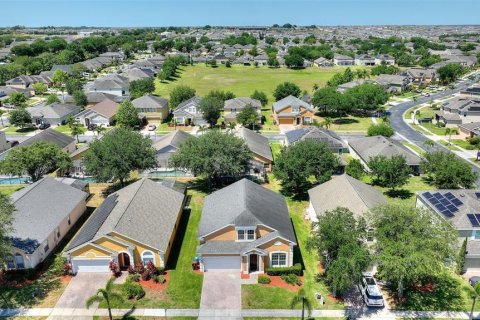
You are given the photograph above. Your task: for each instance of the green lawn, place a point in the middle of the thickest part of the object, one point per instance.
(350, 123)
(256, 296)
(11, 130)
(244, 80)
(184, 287)
(463, 143)
(450, 146)
(276, 148)
(64, 129)
(434, 129)
(414, 147)
(9, 189)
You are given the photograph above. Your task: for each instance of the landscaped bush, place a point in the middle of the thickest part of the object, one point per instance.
(146, 275)
(264, 279)
(134, 277)
(113, 266)
(289, 278)
(296, 269)
(133, 290)
(159, 279)
(160, 270)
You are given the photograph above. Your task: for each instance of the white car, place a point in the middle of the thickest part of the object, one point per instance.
(371, 293)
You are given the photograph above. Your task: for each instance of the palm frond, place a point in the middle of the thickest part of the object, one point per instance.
(109, 285)
(90, 301)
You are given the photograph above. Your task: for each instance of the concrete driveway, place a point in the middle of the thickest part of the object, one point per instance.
(221, 291)
(80, 288)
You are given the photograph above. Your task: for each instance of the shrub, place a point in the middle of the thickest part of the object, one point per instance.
(289, 278)
(146, 275)
(67, 269)
(133, 290)
(151, 269)
(296, 269)
(381, 129)
(160, 270)
(159, 279)
(131, 270)
(134, 277)
(140, 268)
(264, 279)
(113, 266)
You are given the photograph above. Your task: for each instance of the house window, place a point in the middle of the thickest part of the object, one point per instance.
(147, 256)
(192, 110)
(10, 262)
(279, 259)
(246, 234)
(295, 109)
(241, 235)
(250, 234)
(19, 261)
(306, 120)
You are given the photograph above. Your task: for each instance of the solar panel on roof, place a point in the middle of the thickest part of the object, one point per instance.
(449, 196)
(434, 201)
(477, 216)
(452, 208)
(437, 196)
(457, 202)
(447, 213)
(440, 207)
(427, 195)
(445, 202)
(473, 220)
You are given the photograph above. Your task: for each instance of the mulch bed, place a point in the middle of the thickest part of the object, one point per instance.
(244, 276)
(276, 281)
(150, 284)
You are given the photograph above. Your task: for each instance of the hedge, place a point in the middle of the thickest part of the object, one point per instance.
(296, 269)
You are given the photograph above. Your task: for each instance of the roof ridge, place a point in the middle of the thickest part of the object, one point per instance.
(32, 186)
(130, 202)
(350, 180)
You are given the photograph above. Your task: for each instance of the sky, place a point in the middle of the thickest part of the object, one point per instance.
(148, 13)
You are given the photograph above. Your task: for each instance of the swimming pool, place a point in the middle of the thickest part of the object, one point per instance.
(163, 174)
(16, 180)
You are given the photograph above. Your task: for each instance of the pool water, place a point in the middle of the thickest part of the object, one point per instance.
(163, 174)
(17, 180)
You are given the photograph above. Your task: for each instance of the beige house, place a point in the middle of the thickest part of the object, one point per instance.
(293, 111)
(246, 228)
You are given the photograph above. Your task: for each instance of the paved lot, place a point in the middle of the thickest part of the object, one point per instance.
(80, 288)
(221, 290)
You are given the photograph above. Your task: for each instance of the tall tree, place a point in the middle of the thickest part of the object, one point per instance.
(6, 219)
(105, 162)
(298, 163)
(286, 89)
(301, 298)
(248, 116)
(127, 115)
(40, 88)
(106, 294)
(141, 87)
(80, 98)
(179, 94)
(411, 243)
(390, 172)
(59, 77)
(17, 99)
(329, 100)
(260, 96)
(367, 96)
(213, 155)
(211, 108)
(52, 98)
(20, 118)
(36, 160)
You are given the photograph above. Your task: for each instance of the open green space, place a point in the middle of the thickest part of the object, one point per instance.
(244, 80)
(463, 144)
(450, 146)
(11, 130)
(184, 287)
(434, 129)
(8, 189)
(414, 147)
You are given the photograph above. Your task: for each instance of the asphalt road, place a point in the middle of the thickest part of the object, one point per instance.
(407, 132)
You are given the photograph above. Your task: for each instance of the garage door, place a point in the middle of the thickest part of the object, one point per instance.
(90, 265)
(285, 121)
(222, 263)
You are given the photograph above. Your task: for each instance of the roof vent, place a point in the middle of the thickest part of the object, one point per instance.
(462, 194)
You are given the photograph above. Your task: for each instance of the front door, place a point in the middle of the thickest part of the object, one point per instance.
(124, 261)
(253, 263)
(299, 121)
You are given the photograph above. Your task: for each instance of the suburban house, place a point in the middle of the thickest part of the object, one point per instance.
(25, 82)
(293, 111)
(64, 142)
(330, 138)
(384, 58)
(188, 112)
(54, 114)
(114, 56)
(460, 208)
(102, 113)
(366, 148)
(322, 62)
(469, 130)
(136, 224)
(44, 213)
(152, 107)
(246, 228)
(135, 74)
(471, 91)
(459, 110)
(260, 148)
(341, 60)
(420, 76)
(115, 84)
(352, 84)
(393, 83)
(95, 97)
(364, 60)
(167, 145)
(96, 64)
(233, 106)
(343, 191)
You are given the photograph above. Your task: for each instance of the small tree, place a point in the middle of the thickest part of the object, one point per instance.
(449, 132)
(260, 96)
(389, 172)
(6, 218)
(211, 108)
(461, 257)
(286, 89)
(355, 169)
(59, 77)
(52, 98)
(39, 88)
(248, 116)
(381, 129)
(20, 118)
(179, 94)
(127, 115)
(80, 98)
(76, 129)
(301, 297)
(17, 99)
(106, 294)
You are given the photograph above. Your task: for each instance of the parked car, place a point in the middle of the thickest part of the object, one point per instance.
(474, 280)
(371, 293)
(44, 126)
(152, 127)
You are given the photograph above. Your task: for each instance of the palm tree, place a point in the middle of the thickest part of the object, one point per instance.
(327, 122)
(99, 129)
(475, 295)
(429, 143)
(105, 294)
(449, 132)
(76, 130)
(301, 298)
(202, 128)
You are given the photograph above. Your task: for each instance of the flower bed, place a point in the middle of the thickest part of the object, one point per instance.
(151, 284)
(276, 281)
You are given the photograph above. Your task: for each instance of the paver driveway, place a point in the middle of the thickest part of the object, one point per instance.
(80, 288)
(221, 290)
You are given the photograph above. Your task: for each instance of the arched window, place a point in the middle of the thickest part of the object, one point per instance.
(19, 261)
(10, 262)
(147, 256)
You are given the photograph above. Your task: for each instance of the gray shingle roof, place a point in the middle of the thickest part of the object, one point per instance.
(322, 135)
(40, 207)
(373, 146)
(144, 211)
(257, 143)
(241, 102)
(345, 191)
(151, 102)
(53, 111)
(290, 101)
(246, 203)
(174, 139)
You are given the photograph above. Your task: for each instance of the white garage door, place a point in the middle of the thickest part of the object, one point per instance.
(219, 263)
(90, 265)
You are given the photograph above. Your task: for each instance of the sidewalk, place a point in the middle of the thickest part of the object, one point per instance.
(362, 313)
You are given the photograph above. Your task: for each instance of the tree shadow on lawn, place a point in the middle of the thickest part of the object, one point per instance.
(341, 121)
(399, 193)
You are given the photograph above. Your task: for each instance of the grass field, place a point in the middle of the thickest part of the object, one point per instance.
(244, 80)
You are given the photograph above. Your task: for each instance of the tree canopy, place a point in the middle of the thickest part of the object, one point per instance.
(367, 96)
(36, 160)
(141, 87)
(213, 155)
(6, 219)
(211, 108)
(248, 116)
(286, 89)
(20, 118)
(260, 96)
(450, 72)
(179, 94)
(127, 115)
(389, 172)
(105, 163)
(381, 129)
(298, 163)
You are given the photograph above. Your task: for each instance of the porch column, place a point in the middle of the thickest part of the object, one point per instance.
(132, 256)
(291, 256)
